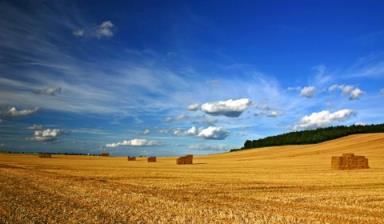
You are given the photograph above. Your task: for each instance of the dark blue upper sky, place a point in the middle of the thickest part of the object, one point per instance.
(174, 77)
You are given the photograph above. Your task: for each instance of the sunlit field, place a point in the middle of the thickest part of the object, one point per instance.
(289, 184)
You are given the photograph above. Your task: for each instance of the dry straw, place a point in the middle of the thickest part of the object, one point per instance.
(151, 159)
(349, 161)
(104, 154)
(188, 159)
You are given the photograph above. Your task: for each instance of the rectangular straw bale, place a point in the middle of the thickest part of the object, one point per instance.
(151, 159)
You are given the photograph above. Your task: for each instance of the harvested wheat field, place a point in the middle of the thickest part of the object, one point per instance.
(289, 184)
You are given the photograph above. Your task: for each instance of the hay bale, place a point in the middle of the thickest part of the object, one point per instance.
(188, 159)
(180, 160)
(151, 159)
(45, 155)
(349, 161)
(336, 162)
(131, 158)
(104, 154)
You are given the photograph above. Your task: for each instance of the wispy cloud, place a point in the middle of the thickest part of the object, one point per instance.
(50, 91)
(14, 112)
(371, 66)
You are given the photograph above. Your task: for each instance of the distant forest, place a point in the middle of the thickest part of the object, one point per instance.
(311, 136)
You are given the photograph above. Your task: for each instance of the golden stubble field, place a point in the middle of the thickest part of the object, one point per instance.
(289, 184)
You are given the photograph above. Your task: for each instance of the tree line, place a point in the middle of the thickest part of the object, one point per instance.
(311, 136)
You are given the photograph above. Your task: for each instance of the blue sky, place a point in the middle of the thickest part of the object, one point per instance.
(176, 77)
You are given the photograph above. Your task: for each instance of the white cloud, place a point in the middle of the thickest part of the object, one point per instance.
(51, 91)
(353, 92)
(46, 134)
(323, 119)
(210, 132)
(308, 91)
(78, 33)
(134, 142)
(192, 131)
(229, 108)
(178, 132)
(146, 131)
(216, 133)
(193, 107)
(14, 112)
(104, 30)
(273, 114)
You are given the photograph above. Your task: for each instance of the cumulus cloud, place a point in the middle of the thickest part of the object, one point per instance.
(134, 142)
(323, 119)
(216, 133)
(146, 131)
(47, 134)
(51, 91)
(192, 131)
(228, 108)
(349, 90)
(308, 91)
(193, 107)
(210, 132)
(104, 30)
(14, 112)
